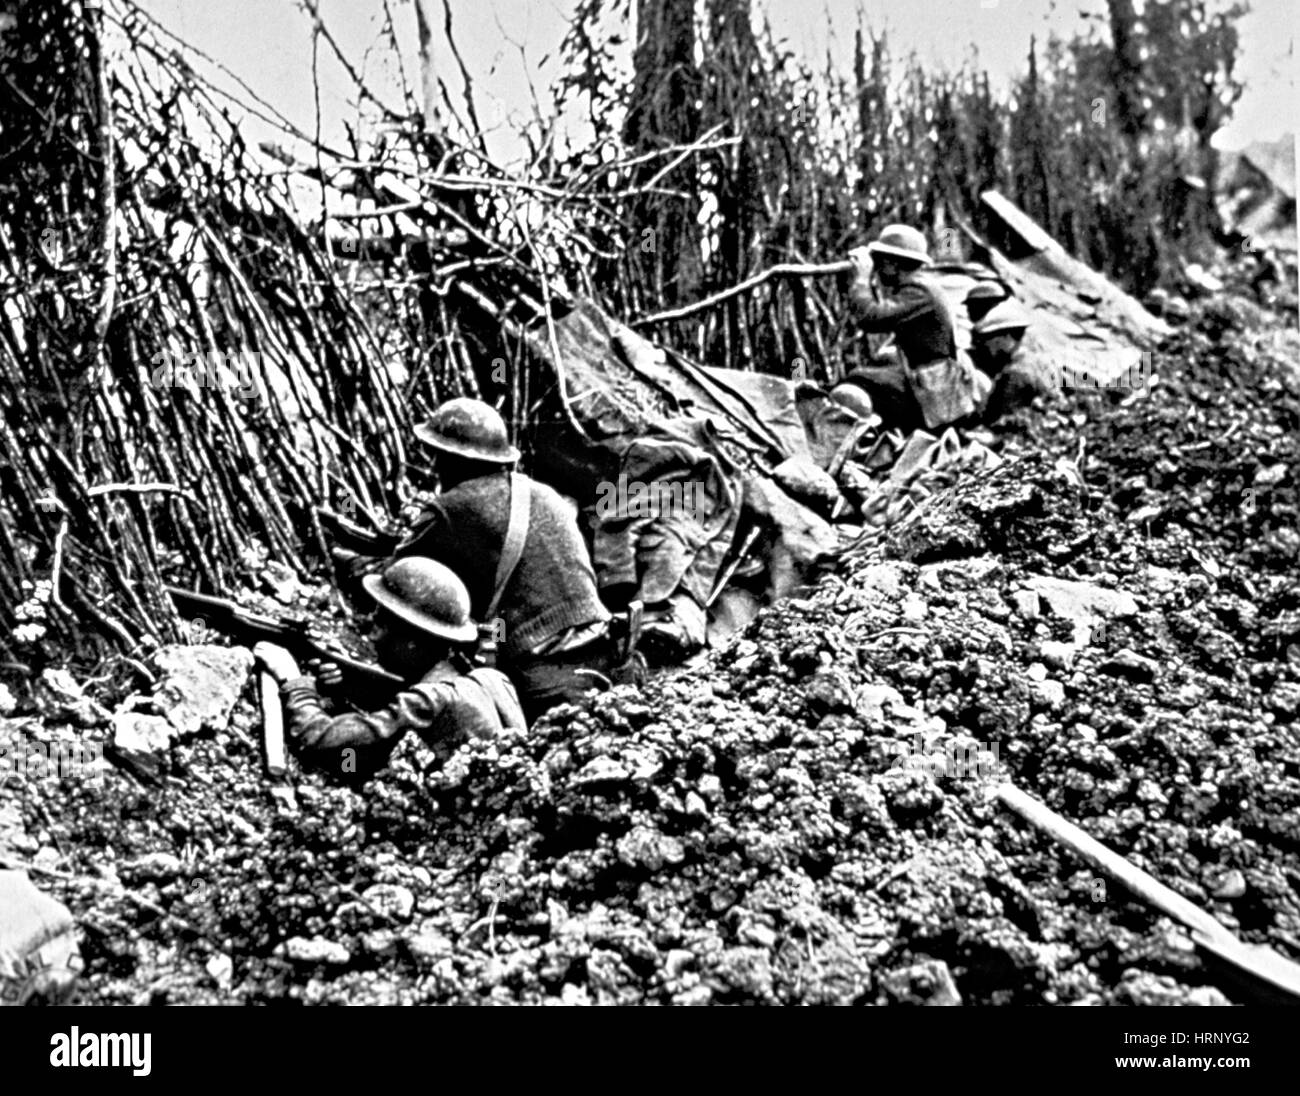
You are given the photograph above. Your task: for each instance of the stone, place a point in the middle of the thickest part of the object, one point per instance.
(644, 847)
(872, 700)
(1081, 603)
(221, 969)
(390, 900)
(929, 982)
(1058, 655)
(1143, 988)
(884, 579)
(1129, 664)
(200, 684)
(39, 957)
(1232, 885)
(153, 867)
(914, 608)
(381, 943)
(1048, 694)
(601, 770)
(1284, 699)
(1027, 604)
(428, 944)
(830, 693)
(1036, 671)
(142, 742)
(316, 952)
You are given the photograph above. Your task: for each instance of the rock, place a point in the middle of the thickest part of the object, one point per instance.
(391, 900)
(428, 944)
(200, 684)
(221, 969)
(1140, 987)
(643, 847)
(1048, 694)
(380, 943)
(1128, 663)
(1036, 671)
(1284, 699)
(153, 867)
(884, 579)
(39, 958)
(969, 573)
(1232, 885)
(694, 806)
(746, 971)
(872, 699)
(676, 961)
(1081, 603)
(1027, 604)
(142, 742)
(1270, 476)
(316, 952)
(1058, 655)
(914, 608)
(830, 693)
(929, 982)
(601, 770)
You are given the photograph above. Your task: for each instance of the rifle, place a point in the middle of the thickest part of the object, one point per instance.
(366, 685)
(354, 538)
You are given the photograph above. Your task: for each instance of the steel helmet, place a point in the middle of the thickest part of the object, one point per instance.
(471, 429)
(1009, 315)
(426, 594)
(854, 398)
(902, 242)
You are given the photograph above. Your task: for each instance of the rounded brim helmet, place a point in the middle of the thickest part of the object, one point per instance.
(1009, 315)
(425, 594)
(471, 429)
(855, 398)
(988, 291)
(902, 242)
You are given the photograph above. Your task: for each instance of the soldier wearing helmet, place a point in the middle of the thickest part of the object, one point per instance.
(424, 634)
(927, 384)
(995, 343)
(516, 545)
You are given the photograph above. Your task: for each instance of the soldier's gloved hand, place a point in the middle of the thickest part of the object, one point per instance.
(860, 257)
(329, 675)
(277, 661)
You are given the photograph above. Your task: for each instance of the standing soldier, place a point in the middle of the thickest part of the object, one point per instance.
(517, 547)
(424, 634)
(928, 384)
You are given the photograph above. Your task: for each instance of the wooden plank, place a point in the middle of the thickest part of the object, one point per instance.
(1019, 222)
(272, 725)
(1258, 966)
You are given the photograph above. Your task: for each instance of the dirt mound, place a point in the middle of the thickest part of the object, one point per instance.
(802, 817)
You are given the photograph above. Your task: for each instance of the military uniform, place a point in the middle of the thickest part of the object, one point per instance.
(446, 708)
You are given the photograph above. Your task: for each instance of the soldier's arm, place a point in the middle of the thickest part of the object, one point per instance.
(428, 536)
(321, 737)
(875, 316)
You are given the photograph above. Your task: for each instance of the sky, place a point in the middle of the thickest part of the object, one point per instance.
(505, 44)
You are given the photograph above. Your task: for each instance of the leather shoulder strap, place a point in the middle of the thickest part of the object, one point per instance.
(513, 548)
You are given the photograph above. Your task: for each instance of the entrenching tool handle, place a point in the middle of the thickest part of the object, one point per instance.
(1110, 862)
(268, 690)
(1261, 965)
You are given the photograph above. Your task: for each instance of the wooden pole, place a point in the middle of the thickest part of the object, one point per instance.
(782, 270)
(1280, 976)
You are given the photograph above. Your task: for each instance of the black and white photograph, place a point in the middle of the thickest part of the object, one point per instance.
(648, 503)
